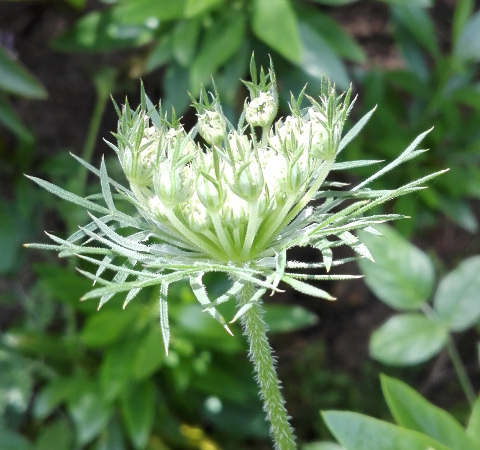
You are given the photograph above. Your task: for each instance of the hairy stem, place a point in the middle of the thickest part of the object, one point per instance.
(264, 364)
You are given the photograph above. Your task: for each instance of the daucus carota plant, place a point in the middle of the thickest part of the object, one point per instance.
(221, 198)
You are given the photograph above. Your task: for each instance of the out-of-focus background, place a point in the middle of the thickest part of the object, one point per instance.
(74, 378)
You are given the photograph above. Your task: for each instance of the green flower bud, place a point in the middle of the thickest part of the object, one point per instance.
(261, 111)
(212, 126)
(210, 192)
(157, 208)
(196, 215)
(235, 212)
(298, 173)
(173, 185)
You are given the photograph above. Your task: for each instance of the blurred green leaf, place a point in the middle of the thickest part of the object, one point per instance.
(55, 435)
(55, 393)
(176, 85)
(410, 410)
(16, 79)
(422, 3)
(90, 413)
(456, 300)
(358, 432)
(140, 11)
(13, 441)
(10, 120)
(64, 284)
(185, 40)
(318, 59)
(287, 318)
(116, 368)
(112, 437)
(467, 47)
(161, 53)
(462, 12)
(411, 51)
(101, 32)
(138, 407)
(16, 383)
(407, 339)
(408, 82)
(202, 329)
(402, 276)
(419, 24)
(220, 43)
(150, 353)
(335, 37)
(106, 327)
(458, 210)
(196, 7)
(54, 346)
(322, 445)
(334, 2)
(11, 237)
(473, 427)
(274, 22)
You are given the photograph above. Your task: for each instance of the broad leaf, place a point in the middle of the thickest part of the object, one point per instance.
(106, 327)
(402, 275)
(16, 79)
(10, 120)
(90, 413)
(456, 300)
(13, 441)
(358, 432)
(220, 43)
(407, 339)
(139, 11)
(196, 7)
(185, 40)
(318, 59)
(286, 318)
(418, 22)
(116, 368)
(473, 427)
(336, 38)
(410, 410)
(102, 31)
(267, 15)
(138, 407)
(467, 48)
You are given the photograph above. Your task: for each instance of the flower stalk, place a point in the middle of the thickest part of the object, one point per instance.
(260, 353)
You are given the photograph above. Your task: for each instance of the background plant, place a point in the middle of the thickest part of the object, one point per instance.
(404, 279)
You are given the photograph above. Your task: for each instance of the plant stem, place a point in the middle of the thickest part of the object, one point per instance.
(461, 372)
(260, 354)
(104, 81)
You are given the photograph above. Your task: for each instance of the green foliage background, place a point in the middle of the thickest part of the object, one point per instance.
(71, 377)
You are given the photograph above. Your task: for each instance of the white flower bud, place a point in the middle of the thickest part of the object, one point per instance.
(210, 192)
(248, 180)
(234, 211)
(261, 111)
(157, 208)
(212, 126)
(196, 215)
(298, 173)
(173, 185)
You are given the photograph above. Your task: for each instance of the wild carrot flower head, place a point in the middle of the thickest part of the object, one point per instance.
(228, 198)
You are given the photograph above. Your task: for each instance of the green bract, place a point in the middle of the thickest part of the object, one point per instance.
(230, 199)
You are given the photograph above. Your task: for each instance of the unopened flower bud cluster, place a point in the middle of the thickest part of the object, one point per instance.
(222, 188)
